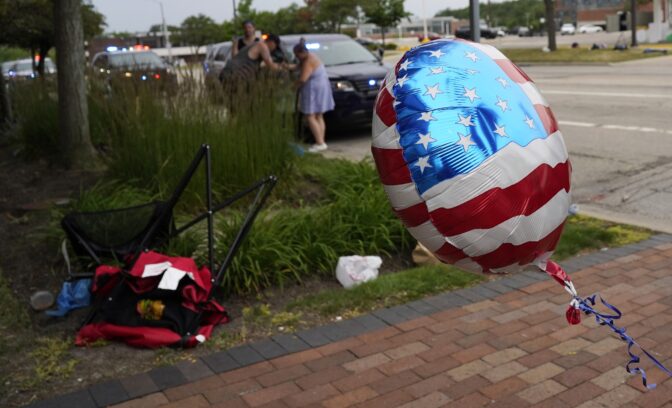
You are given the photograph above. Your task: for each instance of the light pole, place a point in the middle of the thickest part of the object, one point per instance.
(424, 20)
(166, 40)
(475, 20)
(234, 9)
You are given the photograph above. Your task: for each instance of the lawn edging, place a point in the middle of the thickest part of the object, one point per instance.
(119, 390)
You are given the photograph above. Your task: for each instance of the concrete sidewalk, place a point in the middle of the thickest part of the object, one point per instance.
(501, 344)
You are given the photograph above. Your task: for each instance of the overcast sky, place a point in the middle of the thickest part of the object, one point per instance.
(139, 15)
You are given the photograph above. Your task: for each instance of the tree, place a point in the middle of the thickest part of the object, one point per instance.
(384, 13)
(550, 23)
(200, 30)
(333, 13)
(29, 24)
(73, 113)
(509, 13)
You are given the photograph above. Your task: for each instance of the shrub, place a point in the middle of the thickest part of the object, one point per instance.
(287, 244)
(153, 139)
(391, 46)
(36, 109)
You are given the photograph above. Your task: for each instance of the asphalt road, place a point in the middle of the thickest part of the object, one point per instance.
(617, 123)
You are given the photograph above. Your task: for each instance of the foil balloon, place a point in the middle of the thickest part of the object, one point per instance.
(471, 157)
(474, 165)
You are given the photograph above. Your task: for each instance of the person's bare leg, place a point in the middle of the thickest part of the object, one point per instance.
(315, 128)
(323, 126)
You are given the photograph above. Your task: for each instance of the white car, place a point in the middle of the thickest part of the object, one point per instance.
(590, 28)
(568, 29)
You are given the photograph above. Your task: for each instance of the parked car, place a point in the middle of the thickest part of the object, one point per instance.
(567, 29)
(524, 32)
(216, 58)
(465, 32)
(355, 74)
(590, 29)
(23, 69)
(142, 66)
(499, 31)
(430, 36)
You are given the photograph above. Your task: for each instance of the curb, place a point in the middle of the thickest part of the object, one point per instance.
(120, 390)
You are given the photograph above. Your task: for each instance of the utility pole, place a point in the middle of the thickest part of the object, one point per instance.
(165, 34)
(234, 9)
(475, 21)
(633, 21)
(424, 20)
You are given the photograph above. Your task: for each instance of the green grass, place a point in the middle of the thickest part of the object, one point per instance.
(290, 242)
(386, 290)
(574, 55)
(583, 234)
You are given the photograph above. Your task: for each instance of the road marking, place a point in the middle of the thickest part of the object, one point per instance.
(620, 94)
(614, 127)
(578, 124)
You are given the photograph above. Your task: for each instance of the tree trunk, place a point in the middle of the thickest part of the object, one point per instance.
(43, 51)
(5, 105)
(73, 119)
(382, 31)
(550, 24)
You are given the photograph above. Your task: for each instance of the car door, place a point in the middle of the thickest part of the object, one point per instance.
(222, 55)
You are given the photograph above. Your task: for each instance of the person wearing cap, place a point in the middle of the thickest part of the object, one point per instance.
(247, 62)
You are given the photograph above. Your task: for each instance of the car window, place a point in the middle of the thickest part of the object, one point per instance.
(223, 53)
(136, 59)
(339, 52)
(22, 66)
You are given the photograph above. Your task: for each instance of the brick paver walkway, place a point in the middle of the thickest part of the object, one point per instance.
(503, 344)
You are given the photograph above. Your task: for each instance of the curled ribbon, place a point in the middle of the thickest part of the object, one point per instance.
(579, 304)
(586, 305)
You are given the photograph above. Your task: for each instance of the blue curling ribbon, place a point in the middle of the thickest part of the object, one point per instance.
(586, 305)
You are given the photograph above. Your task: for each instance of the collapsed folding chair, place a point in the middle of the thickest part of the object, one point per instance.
(154, 300)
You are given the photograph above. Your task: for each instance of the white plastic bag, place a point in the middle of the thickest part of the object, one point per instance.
(353, 270)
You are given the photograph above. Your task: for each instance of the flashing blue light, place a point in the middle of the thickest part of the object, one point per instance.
(112, 48)
(144, 77)
(372, 82)
(313, 46)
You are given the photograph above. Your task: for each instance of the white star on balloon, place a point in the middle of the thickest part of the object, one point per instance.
(471, 55)
(502, 104)
(423, 163)
(427, 116)
(529, 121)
(466, 121)
(436, 71)
(437, 53)
(425, 140)
(465, 141)
(401, 81)
(432, 90)
(404, 65)
(500, 130)
(502, 81)
(471, 94)
(472, 72)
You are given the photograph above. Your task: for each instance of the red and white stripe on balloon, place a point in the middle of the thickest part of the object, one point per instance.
(471, 157)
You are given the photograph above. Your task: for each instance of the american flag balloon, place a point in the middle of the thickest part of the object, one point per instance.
(471, 157)
(474, 165)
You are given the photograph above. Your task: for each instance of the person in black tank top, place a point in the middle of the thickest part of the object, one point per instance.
(247, 39)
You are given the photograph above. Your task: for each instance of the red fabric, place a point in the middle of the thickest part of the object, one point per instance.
(194, 297)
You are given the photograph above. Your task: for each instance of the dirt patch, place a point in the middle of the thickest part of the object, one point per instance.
(40, 360)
